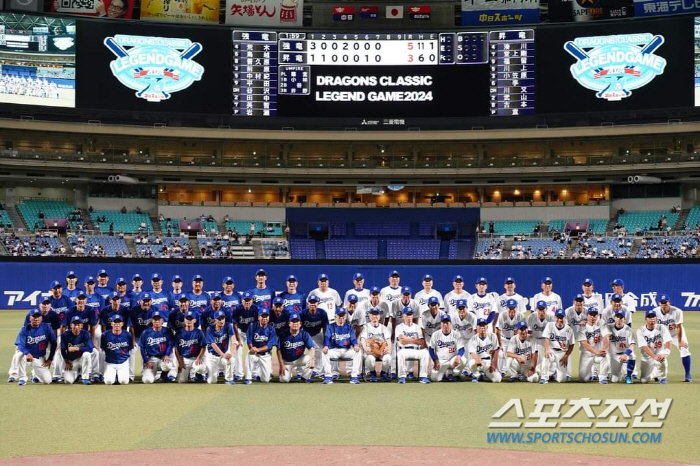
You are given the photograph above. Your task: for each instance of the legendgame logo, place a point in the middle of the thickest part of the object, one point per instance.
(614, 66)
(154, 67)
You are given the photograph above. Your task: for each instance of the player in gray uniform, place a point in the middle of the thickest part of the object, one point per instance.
(362, 293)
(430, 319)
(522, 356)
(558, 345)
(396, 319)
(456, 293)
(426, 293)
(505, 329)
(509, 286)
(590, 298)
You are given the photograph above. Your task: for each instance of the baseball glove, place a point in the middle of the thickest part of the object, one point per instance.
(377, 347)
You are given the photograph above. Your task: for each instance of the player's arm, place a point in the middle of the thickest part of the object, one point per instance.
(547, 349)
(142, 349)
(533, 366)
(326, 341)
(180, 360)
(681, 343)
(498, 337)
(494, 359)
(433, 356)
(280, 362)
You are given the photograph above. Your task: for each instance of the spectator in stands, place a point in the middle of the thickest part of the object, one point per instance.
(161, 217)
(248, 239)
(210, 218)
(536, 230)
(111, 229)
(123, 209)
(252, 228)
(90, 209)
(138, 210)
(226, 219)
(492, 228)
(40, 214)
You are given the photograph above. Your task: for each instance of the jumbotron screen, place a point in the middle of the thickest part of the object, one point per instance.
(37, 60)
(323, 75)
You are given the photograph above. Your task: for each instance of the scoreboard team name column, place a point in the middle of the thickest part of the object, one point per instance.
(255, 73)
(512, 72)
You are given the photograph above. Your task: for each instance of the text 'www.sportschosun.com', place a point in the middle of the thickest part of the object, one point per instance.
(574, 437)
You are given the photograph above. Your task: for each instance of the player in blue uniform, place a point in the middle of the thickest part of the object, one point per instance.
(116, 344)
(139, 320)
(340, 343)
(60, 305)
(229, 298)
(243, 315)
(279, 318)
(125, 302)
(221, 346)
(199, 299)
(176, 292)
(159, 298)
(189, 348)
(156, 346)
(33, 342)
(136, 288)
(215, 305)
(290, 352)
(294, 301)
(262, 294)
(315, 321)
(176, 318)
(80, 310)
(103, 289)
(71, 290)
(114, 308)
(76, 349)
(95, 304)
(261, 338)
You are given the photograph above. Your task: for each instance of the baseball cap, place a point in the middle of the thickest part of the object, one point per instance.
(46, 299)
(102, 272)
(458, 278)
(664, 297)
(292, 278)
(427, 278)
(219, 314)
(260, 272)
(433, 300)
(394, 273)
(560, 313)
(406, 290)
(176, 278)
(71, 274)
(509, 280)
(55, 284)
(34, 312)
(156, 276)
(589, 281)
(352, 298)
(217, 296)
(375, 290)
(339, 311)
(358, 276)
(461, 303)
(184, 298)
(312, 298)
(247, 295)
(541, 304)
(190, 315)
(264, 312)
(121, 281)
(650, 313)
(145, 296)
(114, 295)
(277, 300)
(156, 314)
(481, 280)
(616, 297)
(407, 311)
(375, 310)
(118, 317)
(228, 279)
(136, 278)
(81, 294)
(481, 322)
(620, 313)
(593, 311)
(618, 282)
(445, 318)
(579, 297)
(294, 316)
(322, 277)
(521, 325)
(547, 280)
(197, 278)
(89, 279)
(75, 319)
(511, 303)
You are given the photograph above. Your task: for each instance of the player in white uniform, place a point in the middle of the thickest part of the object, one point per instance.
(615, 306)
(397, 309)
(456, 293)
(655, 345)
(552, 299)
(392, 293)
(575, 316)
(464, 323)
(483, 304)
(592, 350)
(505, 329)
(619, 341)
(375, 302)
(411, 347)
(362, 293)
(672, 318)
(426, 293)
(446, 352)
(509, 286)
(357, 321)
(522, 356)
(557, 348)
(537, 321)
(483, 354)
(590, 298)
(430, 319)
(628, 299)
(328, 298)
(376, 330)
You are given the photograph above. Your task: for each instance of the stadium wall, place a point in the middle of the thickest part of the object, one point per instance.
(382, 215)
(24, 281)
(268, 214)
(116, 203)
(654, 203)
(545, 213)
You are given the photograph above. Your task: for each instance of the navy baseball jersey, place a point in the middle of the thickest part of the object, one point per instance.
(280, 322)
(174, 298)
(157, 344)
(220, 338)
(50, 318)
(86, 316)
(82, 340)
(125, 304)
(106, 316)
(176, 320)
(116, 347)
(259, 336)
(189, 343)
(292, 346)
(61, 306)
(36, 341)
(339, 336)
(134, 296)
(139, 320)
(95, 303)
(314, 323)
(71, 294)
(244, 317)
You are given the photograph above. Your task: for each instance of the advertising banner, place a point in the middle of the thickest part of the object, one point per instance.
(588, 10)
(489, 12)
(286, 13)
(665, 7)
(100, 8)
(193, 11)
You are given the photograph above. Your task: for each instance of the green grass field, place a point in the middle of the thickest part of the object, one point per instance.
(42, 420)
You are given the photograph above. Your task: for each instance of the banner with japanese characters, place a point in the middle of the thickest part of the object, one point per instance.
(102, 8)
(665, 7)
(264, 12)
(192, 11)
(495, 12)
(588, 10)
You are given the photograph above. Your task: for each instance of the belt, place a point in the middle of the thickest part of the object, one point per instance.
(408, 347)
(486, 357)
(557, 349)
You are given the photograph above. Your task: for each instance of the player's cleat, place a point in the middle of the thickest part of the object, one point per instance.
(411, 376)
(372, 377)
(248, 381)
(521, 378)
(35, 380)
(86, 381)
(238, 378)
(514, 379)
(309, 380)
(314, 374)
(402, 379)
(663, 381)
(594, 378)
(552, 378)
(466, 374)
(354, 380)
(221, 373)
(385, 376)
(544, 381)
(96, 379)
(568, 378)
(256, 378)
(171, 378)
(22, 383)
(449, 378)
(230, 382)
(60, 380)
(336, 376)
(54, 380)
(327, 380)
(503, 375)
(475, 379)
(199, 378)
(424, 380)
(102, 379)
(604, 381)
(628, 380)
(457, 378)
(11, 380)
(298, 377)
(634, 376)
(688, 379)
(482, 377)
(394, 376)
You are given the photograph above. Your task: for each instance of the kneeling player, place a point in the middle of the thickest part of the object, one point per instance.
(655, 344)
(116, 345)
(619, 343)
(592, 351)
(156, 345)
(558, 345)
(261, 338)
(411, 346)
(76, 349)
(190, 347)
(483, 353)
(339, 344)
(221, 343)
(672, 318)
(290, 353)
(522, 355)
(33, 342)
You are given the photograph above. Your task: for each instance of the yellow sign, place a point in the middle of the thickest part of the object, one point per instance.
(181, 10)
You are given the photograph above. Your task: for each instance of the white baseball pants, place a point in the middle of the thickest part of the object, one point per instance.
(81, 367)
(407, 355)
(212, 362)
(302, 366)
(114, 372)
(40, 372)
(494, 376)
(342, 354)
(189, 366)
(263, 362)
(149, 375)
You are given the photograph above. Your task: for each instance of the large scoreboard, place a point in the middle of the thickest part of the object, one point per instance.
(321, 74)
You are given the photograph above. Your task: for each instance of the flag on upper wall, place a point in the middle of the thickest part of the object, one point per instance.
(369, 12)
(394, 12)
(343, 13)
(419, 12)
(476, 12)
